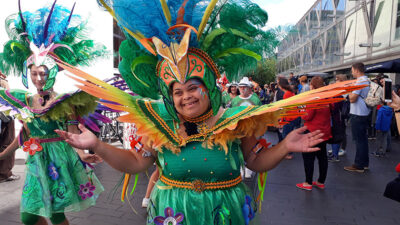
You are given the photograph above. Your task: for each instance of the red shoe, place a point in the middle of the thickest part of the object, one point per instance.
(320, 186)
(304, 187)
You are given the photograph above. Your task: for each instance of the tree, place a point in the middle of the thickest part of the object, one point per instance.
(265, 71)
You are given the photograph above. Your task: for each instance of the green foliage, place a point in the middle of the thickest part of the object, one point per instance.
(235, 38)
(265, 71)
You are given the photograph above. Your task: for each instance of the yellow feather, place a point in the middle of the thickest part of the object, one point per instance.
(206, 16)
(166, 11)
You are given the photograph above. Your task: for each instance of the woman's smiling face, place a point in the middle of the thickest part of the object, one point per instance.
(190, 99)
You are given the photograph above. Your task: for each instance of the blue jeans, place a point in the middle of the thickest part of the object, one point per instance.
(287, 128)
(335, 150)
(359, 125)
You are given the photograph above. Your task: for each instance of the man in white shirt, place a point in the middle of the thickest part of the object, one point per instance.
(359, 112)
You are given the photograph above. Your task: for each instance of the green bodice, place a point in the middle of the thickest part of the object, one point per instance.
(43, 129)
(196, 162)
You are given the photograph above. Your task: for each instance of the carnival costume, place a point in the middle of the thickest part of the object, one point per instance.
(57, 181)
(200, 182)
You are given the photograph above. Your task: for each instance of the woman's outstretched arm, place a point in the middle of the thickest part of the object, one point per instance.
(120, 159)
(267, 159)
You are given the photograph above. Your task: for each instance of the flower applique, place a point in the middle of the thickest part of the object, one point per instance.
(170, 218)
(86, 191)
(247, 210)
(32, 146)
(53, 173)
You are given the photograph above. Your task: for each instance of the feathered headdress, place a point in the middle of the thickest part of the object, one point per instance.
(183, 39)
(37, 38)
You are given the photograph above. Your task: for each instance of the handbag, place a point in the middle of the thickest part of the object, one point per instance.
(392, 189)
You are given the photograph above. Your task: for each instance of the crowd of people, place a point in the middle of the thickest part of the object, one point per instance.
(368, 120)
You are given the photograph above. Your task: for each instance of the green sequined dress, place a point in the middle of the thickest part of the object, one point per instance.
(198, 162)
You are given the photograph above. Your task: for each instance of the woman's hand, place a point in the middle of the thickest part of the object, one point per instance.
(90, 158)
(395, 104)
(85, 140)
(297, 141)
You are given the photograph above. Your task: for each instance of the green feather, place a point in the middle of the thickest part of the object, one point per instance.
(242, 51)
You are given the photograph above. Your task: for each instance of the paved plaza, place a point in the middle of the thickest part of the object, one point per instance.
(349, 198)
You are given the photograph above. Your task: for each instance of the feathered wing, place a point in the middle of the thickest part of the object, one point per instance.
(247, 121)
(253, 120)
(14, 103)
(125, 102)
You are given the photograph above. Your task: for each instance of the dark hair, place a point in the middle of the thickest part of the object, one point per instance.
(284, 83)
(237, 90)
(317, 82)
(359, 67)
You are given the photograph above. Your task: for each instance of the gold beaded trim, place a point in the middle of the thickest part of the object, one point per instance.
(199, 185)
(200, 118)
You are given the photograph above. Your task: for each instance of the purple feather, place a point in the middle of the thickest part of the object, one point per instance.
(118, 82)
(102, 118)
(69, 20)
(91, 125)
(21, 17)
(46, 26)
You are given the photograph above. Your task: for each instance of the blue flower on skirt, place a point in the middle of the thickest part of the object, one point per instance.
(170, 218)
(53, 173)
(247, 210)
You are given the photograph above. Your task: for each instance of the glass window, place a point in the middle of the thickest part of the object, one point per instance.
(340, 7)
(314, 20)
(349, 36)
(316, 52)
(397, 32)
(333, 45)
(361, 35)
(382, 21)
(307, 57)
(327, 13)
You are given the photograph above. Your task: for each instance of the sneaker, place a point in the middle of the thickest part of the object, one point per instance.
(304, 187)
(341, 152)
(11, 178)
(366, 168)
(353, 168)
(320, 186)
(377, 154)
(145, 202)
(333, 159)
(329, 151)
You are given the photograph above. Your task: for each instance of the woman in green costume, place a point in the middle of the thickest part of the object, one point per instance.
(57, 181)
(231, 93)
(198, 145)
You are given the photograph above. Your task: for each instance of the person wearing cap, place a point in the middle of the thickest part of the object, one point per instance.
(246, 97)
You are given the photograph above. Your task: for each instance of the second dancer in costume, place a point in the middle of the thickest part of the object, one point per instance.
(57, 181)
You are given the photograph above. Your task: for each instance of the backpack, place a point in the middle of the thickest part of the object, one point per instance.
(345, 110)
(375, 95)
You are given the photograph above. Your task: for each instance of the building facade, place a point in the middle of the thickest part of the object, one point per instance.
(334, 34)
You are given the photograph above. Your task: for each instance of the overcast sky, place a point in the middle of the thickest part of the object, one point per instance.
(284, 12)
(281, 12)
